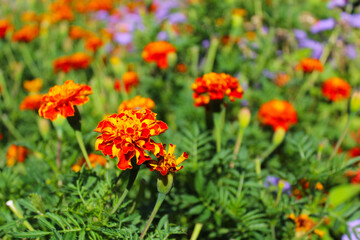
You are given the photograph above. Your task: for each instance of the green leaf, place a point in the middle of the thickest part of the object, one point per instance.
(196, 210)
(343, 193)
(199, 183)
(32, 234)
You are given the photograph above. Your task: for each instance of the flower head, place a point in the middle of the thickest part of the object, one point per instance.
(62, 99)
(282, 79)
(95, 159)
(33, 86)
(336, 89)
(5, 25)
(26, 33)
(136, 103)
(354, 230)
(129, 79)
(80, 60)
(31, 102)
(323, 25)
(308, 65)
(304, 224)
(275, 181)
(61, 10)
(278, 114)
(77, 32)
(167, 162)
(158, 52)
(128, 134)
(93, 43)
(214, 86)
(16, 154)
(62, 64)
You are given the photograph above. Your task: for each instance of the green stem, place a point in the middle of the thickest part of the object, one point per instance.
(13, 208)
(4, 90)
(210, 59)
(10, 127)
(159, 201)
(342, 136)
(133, 174)
(238, 142)
(194, 60)
(219, 125)
(196, 232)
(29, 60)
(82, 147)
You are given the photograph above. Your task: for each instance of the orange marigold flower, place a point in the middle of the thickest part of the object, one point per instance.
(136, 103)
(181, 68)
(214, 86)
(167, 162)
(5, 25)
(97, 5)
(61, 100)
(95, 159)
(158, 52)
(16, 154)
(354, 152)
(304, 224)
(80, 60)
(278, 114)
(26, 33)
(31, 102)
(29, 16)
(77, 32)
(308, 65)
(33, 85)
(130, 79)
(62, 64)
(127, 135)
(93, 43)
(61, 11)
(336, 89)
(282, 79)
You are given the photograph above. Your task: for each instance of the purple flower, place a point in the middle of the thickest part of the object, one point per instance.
(299, 34)
(244, 103)
(205, 43)
(316, 47)
(162, 35)
(350, 51)
(323, 25)
(268, 74)
(274, 181)
(354, 230)
(102, 15)
(177, 18)
(123, 38)
(336, 3)
(163, 8)
(351, 19)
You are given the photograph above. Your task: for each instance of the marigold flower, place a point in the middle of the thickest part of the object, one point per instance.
(239, 12)
(77, 32)
(282, 79)
(278, 114)
(304, 224)
(167, 162)
(80, 60)
(308, 65)
(31, 102)
(62, 64)
(127, 135)
(29, 16)
(181, 68)
(214, 86)
(356, 177)
(93, 43)
(136, 103)
(16, 154)
(336, 89)
(95, 159)
(33, 86)
(130, 79)
(26, 34)
(61, 11)
(158, 52)
(61, 99)
(97, 5)
(5, 25)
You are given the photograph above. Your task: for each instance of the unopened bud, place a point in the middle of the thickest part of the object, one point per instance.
(355, 102)
(278, 136)
(172, 59)
(244, 117)
(44, 127)
(165, 183)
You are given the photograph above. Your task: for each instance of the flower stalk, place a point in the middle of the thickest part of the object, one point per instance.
(17, 212)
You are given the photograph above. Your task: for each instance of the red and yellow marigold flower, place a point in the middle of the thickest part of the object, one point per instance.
(167, 162)
(29, 16)
(33, 86)
(158, 52)
(128, 134)
(136, 103)
(130, 79)
(97, 5)
(282, 79)
(5, 25)
(278, 114)
(308, 65)
(16, 154)
(95, 159)
(62, 64)
(214, 86)
(93, 43)
(62, 99)
(80, 60)
(26, 34)
(31, 102)
(61, 11)
(77, 32)
(303, 224)
(336, 89)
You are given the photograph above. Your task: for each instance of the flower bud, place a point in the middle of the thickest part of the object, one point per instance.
(165, 183)
(244, 117)
(278, 136)
(172, 59)
(44, 127)
(355, 102)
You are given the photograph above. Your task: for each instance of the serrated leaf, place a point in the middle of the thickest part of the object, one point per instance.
(32, 234)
